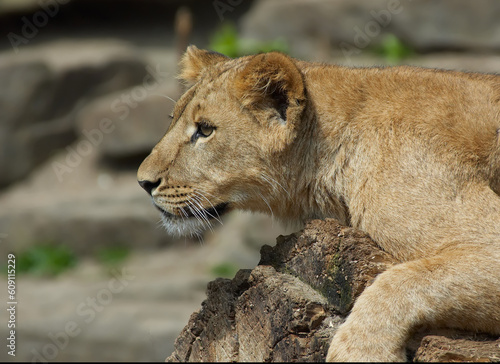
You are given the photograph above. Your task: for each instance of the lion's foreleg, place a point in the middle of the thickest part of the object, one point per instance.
(458, 288)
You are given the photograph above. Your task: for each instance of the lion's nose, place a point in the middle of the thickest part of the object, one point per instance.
(149, 186)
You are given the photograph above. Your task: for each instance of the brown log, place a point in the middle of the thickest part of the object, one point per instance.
(290, 305)
(468, 349)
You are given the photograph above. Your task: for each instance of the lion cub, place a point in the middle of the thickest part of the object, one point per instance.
(409, 155)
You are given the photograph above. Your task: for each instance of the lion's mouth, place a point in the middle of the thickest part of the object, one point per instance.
(192, 219)
(214, 212)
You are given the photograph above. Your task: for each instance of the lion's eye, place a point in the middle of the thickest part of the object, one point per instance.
(203, 130)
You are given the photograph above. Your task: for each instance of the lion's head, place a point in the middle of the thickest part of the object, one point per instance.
(228, 133)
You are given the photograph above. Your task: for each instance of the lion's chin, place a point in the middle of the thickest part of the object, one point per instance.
(183, 227)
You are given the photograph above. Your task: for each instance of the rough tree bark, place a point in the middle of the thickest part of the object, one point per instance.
(289, 306)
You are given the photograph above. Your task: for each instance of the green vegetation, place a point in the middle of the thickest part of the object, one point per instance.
(113, 256)
(45, 260)
(49, 259)
(225, 270)
(225, 40)
(393, 49)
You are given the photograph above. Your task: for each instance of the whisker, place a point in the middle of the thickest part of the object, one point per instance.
(273, 185)
(218, 218)
(199, 208)
(165, 96)
(205, 192)
(184, 213)
(203, 210)
(195, 215)
(200, 238)
(271, 180)
(200, 214)
(267, 203)
(202, 193)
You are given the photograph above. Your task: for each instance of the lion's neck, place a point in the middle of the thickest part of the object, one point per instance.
(319, 170)
(310, 185)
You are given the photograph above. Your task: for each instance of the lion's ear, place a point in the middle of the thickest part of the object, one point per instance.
(272, 80)
(272, 86)
(195, 60)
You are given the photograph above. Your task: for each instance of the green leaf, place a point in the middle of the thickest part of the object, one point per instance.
(226, 270)
(393, 49)
(226, 40)
(45, 260)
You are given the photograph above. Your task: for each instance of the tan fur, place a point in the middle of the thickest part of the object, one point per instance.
(409, 155)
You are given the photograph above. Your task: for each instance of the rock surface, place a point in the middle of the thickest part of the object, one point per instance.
(43, 86)
(289, 307)
(424, 25)
(138, 117)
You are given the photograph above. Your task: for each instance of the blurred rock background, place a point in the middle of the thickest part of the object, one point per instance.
(85, 93)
